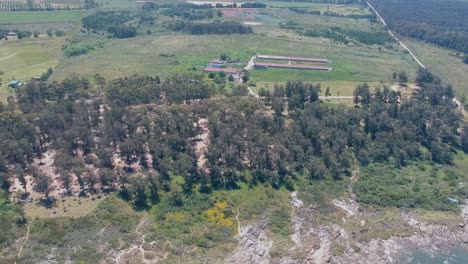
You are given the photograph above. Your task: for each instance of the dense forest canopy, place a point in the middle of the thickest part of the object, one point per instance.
(152, 126)
(439, 22)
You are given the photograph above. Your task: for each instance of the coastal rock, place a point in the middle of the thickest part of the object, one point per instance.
(253, 247)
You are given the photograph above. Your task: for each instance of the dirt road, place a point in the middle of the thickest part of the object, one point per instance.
(393, 36)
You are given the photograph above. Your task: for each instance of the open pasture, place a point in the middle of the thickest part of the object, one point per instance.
(163, 55)
(24, 17)
(26, 58)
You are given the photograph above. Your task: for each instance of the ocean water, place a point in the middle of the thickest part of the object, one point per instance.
(452, 255)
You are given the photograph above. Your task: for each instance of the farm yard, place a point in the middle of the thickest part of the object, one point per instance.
(146, 54)
(143, 55)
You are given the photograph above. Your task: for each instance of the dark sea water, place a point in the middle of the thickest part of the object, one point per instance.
(453, 255)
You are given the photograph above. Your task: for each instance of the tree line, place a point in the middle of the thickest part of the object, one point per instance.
(337, 2)
(152, 125)
(339, 35)
(192, 12)
(438, 22)
(217, 27)
(115, 23)
(371, 17)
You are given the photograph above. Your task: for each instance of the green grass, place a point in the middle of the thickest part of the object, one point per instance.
(114, 218)
(27, 58)
(64, 207)
(420, 185)
(443, 62)
(323, 22)
(40, 16)
(142, 55)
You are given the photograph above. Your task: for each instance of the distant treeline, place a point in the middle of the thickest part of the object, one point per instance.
(32, 6)
(225, 27)
(244, 5)
(339, 35)
(338, 2)
(220, 5)
(20, 34)
(443, 23)
(371, 17)
(112, 22)
(190, 13)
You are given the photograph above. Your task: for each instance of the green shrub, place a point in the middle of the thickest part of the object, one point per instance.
(79, 49)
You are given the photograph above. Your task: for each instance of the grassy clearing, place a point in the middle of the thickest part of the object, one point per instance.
(382, 225)
(40, 16)
(443, 62)
(64, 207)
(112, 223)
(163, 55)
(27, 58)
(255, 201)
(426, 186)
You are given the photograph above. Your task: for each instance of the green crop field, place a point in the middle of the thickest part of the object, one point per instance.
(21, 17)
(26, 58)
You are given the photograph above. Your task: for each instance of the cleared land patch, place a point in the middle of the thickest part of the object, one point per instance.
(40, 16)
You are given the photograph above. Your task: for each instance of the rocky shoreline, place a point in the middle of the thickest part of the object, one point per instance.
(318, 244)
(428, 237)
